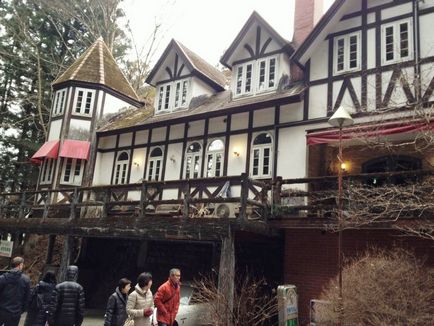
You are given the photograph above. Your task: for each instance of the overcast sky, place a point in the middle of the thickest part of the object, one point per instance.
(206, 27)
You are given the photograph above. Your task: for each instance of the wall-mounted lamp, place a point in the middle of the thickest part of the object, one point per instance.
(344, 166)
(236, 152)
(136, 163)
(172, 159)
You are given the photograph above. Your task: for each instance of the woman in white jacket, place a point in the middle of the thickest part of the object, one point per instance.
(140, 303)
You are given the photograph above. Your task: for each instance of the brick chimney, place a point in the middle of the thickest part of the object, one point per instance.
(307, 14)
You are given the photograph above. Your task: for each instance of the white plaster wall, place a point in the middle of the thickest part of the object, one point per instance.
(170, 62)
(176, 131)
(396, 10)
(263, 117)
(398, 97)
(375, 3)
(426, 4)
(125, 139)
(158, 134)
(113, 104)
(336, 88)
(198, 88)
(371, 93)
(107, 142)
(139, 155)
(141, 137)
(426, 35)
(55, 127)
(196, 128)
(217, 125)
(291, 158)
(173, 167)
(240, 121)
(371, 48)
(103, 170)
(318, 101)
(284, 66)
(291, 112)
(371, 18)
(427, 74)
(237, 164)
(318, 62)
(273, 46)
(348, 23)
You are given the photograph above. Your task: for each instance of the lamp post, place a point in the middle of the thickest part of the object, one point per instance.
(341, 118)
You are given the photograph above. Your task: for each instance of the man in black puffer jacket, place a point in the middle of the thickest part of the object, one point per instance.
(14, 293)
(67, 308)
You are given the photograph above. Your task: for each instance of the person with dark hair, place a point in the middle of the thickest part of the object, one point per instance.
(167, 299)
(40, 299)
(140, 303)
(116, 312)
(67, 306)
(14, 293)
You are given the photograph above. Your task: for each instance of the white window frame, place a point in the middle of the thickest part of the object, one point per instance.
(47, 171)
(255, 76)
(155, 164)
(59, 102)
(261, 149)
(74, 178)
(213, 154)
(397, 41)
(193, 157)
(165, 103)
(347, 52)
(82, 106)
(121, 169)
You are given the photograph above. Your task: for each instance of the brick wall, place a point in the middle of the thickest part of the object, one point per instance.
(310, 257)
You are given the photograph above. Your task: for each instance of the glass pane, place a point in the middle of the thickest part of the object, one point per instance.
(50, 170)
(272, 73)
(44, 170)
(196, 166)
(123, 156)
(239, 79)
(68, 170)
(157, 170)
(218, 164)
(178, 90)
(389, 43)
(167, 99)
(403, 31)
(156, 152)
(353, 52)
(256, 162)
(118, 169)
(261, 75)
(266, 162)
(124, 173)
(248, 78)
(193, 148)
(62, 102)
(184, 93)
(209, 167)
(150, 170)
(160, 98)
(340, 56)
(188, 167)
(79, 101)
(216, 145)
(88, 102)
(264, 138)
(77, 169)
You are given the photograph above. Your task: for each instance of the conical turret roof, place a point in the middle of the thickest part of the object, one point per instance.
(97, 65)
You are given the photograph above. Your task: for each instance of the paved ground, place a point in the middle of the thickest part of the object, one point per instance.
(93, 318)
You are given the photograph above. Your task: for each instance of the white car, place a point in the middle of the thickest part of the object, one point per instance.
(189, 313)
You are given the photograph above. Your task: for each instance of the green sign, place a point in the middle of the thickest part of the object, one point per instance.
(6, 248)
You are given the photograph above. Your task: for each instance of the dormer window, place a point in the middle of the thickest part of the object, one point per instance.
(347, 53)
(83, 104)
(172, 96)
(256, 76)
(59, 102)
(397, 41)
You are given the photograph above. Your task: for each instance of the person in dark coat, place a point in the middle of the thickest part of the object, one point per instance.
(40, 299)
(67, 306)
(116, 312)
(14, 293)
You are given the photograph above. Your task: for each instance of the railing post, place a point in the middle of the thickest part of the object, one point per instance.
(143, 199)
(106, 202)
(74, 201)
(22, 205)
(46, 204)
(244, 194)
(187, 190)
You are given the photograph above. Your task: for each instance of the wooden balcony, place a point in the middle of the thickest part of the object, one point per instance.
(192, 209)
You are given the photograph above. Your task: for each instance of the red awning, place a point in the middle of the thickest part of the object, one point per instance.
(367, 131)
(49, 150)
(75, 149)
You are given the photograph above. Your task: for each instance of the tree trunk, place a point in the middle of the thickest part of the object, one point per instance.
(227, 276)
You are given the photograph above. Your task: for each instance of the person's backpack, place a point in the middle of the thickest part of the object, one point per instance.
(36, 299)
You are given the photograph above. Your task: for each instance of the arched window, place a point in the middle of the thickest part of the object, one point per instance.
(155, 163)
(121, 168)
(261, 159)
(214, 158)
(193, 160)
(391, 163)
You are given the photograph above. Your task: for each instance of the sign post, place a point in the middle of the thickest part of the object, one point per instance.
(288, 305)
(6, 248)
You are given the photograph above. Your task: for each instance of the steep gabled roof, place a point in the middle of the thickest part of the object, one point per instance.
(198, 66)
(255, 17)
(318, 31)
(97, 65)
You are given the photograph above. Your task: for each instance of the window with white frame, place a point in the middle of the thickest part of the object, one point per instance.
(261, 159)
(347, 53)
(255, 76)
(172, 96)
(72, 172)
(59, 102)
(214, 158)
(84, 100)
(155, 164)
(47, 171)
(121, 168)
(193, 160)
(397, 41)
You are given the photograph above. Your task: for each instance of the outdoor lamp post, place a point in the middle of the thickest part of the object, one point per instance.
(341, 118)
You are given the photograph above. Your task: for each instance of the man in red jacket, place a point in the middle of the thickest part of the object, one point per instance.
(167, 299)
